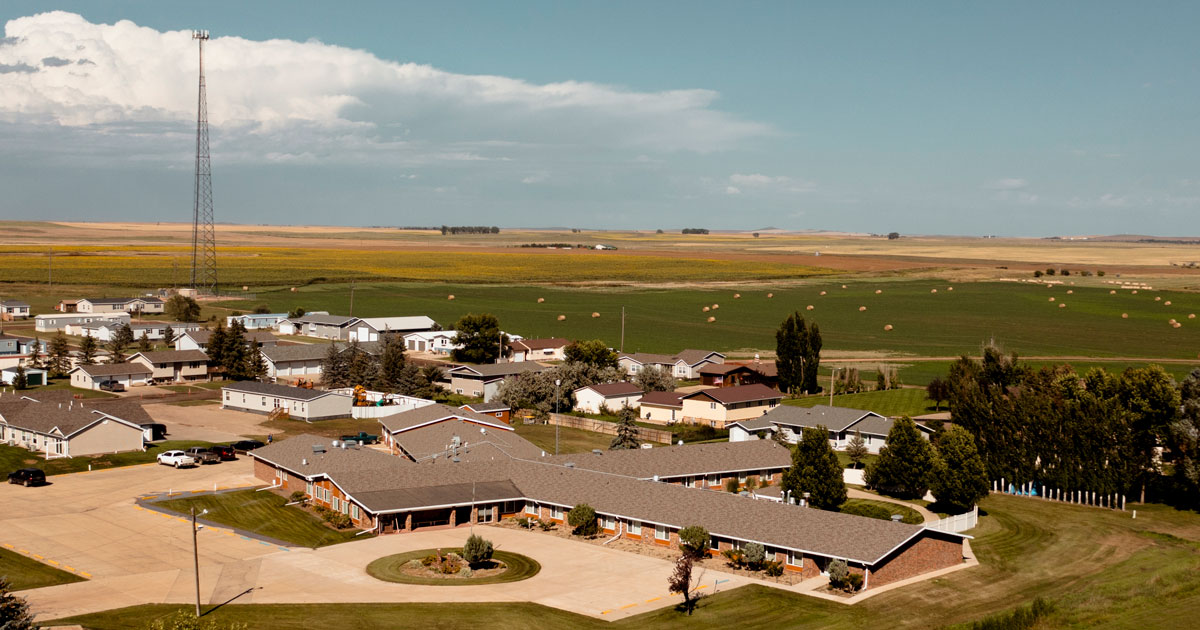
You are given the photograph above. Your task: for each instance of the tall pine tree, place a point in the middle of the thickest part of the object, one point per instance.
(60, 355)
(87, 351)
(815, 470)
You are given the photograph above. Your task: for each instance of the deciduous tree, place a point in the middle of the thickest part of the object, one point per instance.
(815, 470)
(654, 379)
(904, 463)
(959, 479)
(478, 338)
(593, 352)
(182, 308)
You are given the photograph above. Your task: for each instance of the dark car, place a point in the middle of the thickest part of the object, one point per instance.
(202, 455)
(226, 453)
(27, 477)
(245, 446)
(112, 386)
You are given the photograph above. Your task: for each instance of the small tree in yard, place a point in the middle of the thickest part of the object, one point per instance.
(904, 464)
(857, 450)
(959, 477)
(144, 344)
(477, 550)
(937, 391)
(583, 518)
(681, 581)
(60, 355)
(87, 351)
(755, 555)
(815, 470)
(20, 381)
(731, 485)
(839, 574)
(184, 619)
(694, 540)
(627, 431)
(14, 610)
(654, 379)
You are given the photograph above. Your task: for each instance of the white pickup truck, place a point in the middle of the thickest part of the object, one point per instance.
(178, 459)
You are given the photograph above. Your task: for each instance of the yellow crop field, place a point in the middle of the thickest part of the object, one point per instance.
(163, 265)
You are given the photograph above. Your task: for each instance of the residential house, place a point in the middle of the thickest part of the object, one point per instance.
(661, 407)
(65, 429)
(51, 322)
(684, 365)
(841, 422)
(294, 361)
(375, 328)
(719, 407)
(174, 366)
(436, 432)
(322, 325)
(67, 306)
(482, 381)
(34, 377)
(13, 309)
(113, 305)
(638, 361)
(396, 494)
(92, 376)
(256, 321)
(437, 341)
(500, 411)
(296, 402)
(733, 374)
(607, 396)
(198, 339)
(104, 331)
(539, 350)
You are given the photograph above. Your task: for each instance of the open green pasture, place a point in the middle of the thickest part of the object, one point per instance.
(1099, 568)
(1018, 316)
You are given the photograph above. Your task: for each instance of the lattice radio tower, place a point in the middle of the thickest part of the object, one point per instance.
(204, 241)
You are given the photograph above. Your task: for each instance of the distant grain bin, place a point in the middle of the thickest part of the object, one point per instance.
(861, 309)
(887, 327)
(450, 297)
(540, 300)
(595, 314)
(712, 319)
(562, 317)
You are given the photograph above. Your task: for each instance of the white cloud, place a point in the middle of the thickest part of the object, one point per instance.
(59, 69)
(536, 178)
(777, 182)
(1007, 183)
(733, 190)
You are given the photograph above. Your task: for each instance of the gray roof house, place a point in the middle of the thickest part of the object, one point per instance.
(295, 402)
(482, 381)
(66, 428)
(841, 422)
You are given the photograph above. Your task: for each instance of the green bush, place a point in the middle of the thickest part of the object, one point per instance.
(773, 568)
(186, 620)
(583, 518)
(477, 550)
(297, 497)
(1022, 618)
(694, 540)
(731, 485)
(545, 525)
(854, 582)
(868, 510)
(839, 573)
(755, 555)
(735, 557)
(524, 522)
(338, 520)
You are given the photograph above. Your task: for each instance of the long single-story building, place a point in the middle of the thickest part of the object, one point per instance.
(13, 309)
(842, 423)
(297, 402)
(126, 374)
(198, 339)
(610, 396)
(722, 406)
(550, 349)
(66, 429)
(113, 305)
(50, 322)
(389, 494)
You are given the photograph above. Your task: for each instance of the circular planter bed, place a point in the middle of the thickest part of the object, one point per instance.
(414, 567)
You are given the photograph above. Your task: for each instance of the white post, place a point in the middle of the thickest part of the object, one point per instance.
(1122, 503)
(1003, 486)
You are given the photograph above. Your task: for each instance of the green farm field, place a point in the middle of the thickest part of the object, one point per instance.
(1018, 316)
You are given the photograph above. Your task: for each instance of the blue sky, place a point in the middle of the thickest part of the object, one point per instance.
(965, 118)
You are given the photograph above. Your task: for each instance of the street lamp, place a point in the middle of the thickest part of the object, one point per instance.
(557, 382)
(832, 373)
(196, 556)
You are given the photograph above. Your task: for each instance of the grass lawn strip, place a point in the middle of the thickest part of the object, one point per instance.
(389, 569)
(263, 513)
(569, 440)
(885, 510)
(25, 573)
(14, 457)
(891, 402)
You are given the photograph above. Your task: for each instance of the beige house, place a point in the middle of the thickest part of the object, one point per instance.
(65, 429)
(117, 305)
(661, 407)
(92, 376)
(482, 381)
(174, 365)
(686, 365)
(551, 349)
(297, 402)
(610, 396)
(722, 406)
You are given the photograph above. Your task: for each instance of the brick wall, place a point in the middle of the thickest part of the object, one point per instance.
(930, 552)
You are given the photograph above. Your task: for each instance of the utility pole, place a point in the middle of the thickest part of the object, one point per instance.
(351, 298)
(204, 245)
(196, 561)
(557, 382)
(831, 373)
(622, 329)
(50, 268)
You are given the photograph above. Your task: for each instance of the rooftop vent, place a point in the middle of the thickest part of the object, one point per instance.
(597, 451)
(319, 448)
(456, 459)
(570, 464)
(896, 518)
(304, 462)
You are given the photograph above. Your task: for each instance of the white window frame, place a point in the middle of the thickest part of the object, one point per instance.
(742, 478)
(308, 488)
(608, 522)
(635, 528)
(795, 558)
(531, 507)
(689, 482)
(556, 512)
(662, 532)
(713, 480)
(337, 504)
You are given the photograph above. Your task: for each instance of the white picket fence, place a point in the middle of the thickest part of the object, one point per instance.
(1112, 501)
(957, 523)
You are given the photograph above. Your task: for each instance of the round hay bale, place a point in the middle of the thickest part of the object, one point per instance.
(1171, 321)
(1051, 299)
(949, 288)
(595, 314)
(1176, 325)
(1062, 306)
(887, 327)
(737, 296)
(878, 291)
(861, 309)
(1133, 292)
(1070, 291)
(562, 317)
(1113, 292)
(770, 295)
(933, 290)
(822, 293)
(809, 307)
(293, 289)
(1124, 315)
(716, 306)
(450, 297)
(705, 309)
(245, 288)
(1191, 316)
(1167, 303)
(843, 286)
(1157, 299)
(540, 300)
(712, 319)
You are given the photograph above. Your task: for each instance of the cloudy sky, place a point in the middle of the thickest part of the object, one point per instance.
(936, 117)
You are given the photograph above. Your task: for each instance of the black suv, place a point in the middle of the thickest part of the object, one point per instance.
(226, 453)
(245, 446)
(27, 477)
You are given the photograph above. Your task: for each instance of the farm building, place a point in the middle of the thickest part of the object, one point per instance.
(719, 407)
(50, 322)
(686, 364)
(482, 381)
(841, 423)
(391, 494)
(734, 374)
(296, 402)
(115, 305)
(13, 309)
(500, 411)
(610, 396)
(661, 407)
(65, 429)
(125, 374)
(173, 366)
(198, 339)
(539, 349)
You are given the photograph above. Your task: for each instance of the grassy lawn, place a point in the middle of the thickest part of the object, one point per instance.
(882, 510)
(24, 573)
(570, 440)
(1100, 569)
(334, 428)
(12, 458)
(891, 402)
(844, 459)
(65, 384)
(388, 569)
(263, 513)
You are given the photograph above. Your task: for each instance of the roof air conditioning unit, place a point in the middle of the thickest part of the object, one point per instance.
(570, 464)
(597, 451)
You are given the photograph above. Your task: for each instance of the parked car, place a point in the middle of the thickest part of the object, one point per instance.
(362, 438)
(203, 455)
(112, 386)
(27, 477)
(225, 453)
(178, 459)
(245, 446)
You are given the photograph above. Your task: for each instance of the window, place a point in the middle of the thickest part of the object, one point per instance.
(741, 478)
(714, 480)
(486, 514)
(308, 488)
(531, 507)
(556, 512)
(712, 405)
(635, 528)
(226, 396)
(337, 505)
(689, 482)
(661, 532)
(795, 558)
(458, 391)
(608, 522)
(354, 511)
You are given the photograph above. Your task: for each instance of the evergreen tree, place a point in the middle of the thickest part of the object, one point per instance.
(627, 431)
(36, 358)
(87, 351)
(392, 367)
(20, 381)
(335, 371)
(904, 463)
(815, 470)
(169, 335)
(478, 338)
(812, 360)
(14, 610)
(857, 450)
(143, 344)
(216, 347)
(236, 355)
(256, 366)
(121, 339)
(959, 479)
(60, 355)
(798, 354)
(363, 368)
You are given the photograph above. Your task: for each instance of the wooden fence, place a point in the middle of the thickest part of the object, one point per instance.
(608, 428)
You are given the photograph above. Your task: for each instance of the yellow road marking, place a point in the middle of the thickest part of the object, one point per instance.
(69, 567)
(605, 612)
(8, 545)
(628, 606)
(85, 574)
(24, 551)
(701, 586)
(52, 562)
(39, 557)
(652, 599)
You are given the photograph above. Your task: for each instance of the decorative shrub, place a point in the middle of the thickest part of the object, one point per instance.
(298, 497)
(735, 557)
(731, 485)
(545, 525)
(854, 582)
(450, 565)
(524, 522)
(773, 568)
(694, 541)
(755, 555)
(339, 520)
(839, 573)
(583, 518)
(477, 550)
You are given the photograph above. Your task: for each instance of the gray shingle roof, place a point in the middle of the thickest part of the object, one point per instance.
(203, 335)
(498, 369)
(112, 369)
(279, 391)
(832, 418)
(298, 352)
(692, 357)
(297, 455)
(173, 356)
(433, 443)
(683, 461)
(622, 388)
(662, 399)
(739, 394)
(646, 358)
(45, 417)
(429, 413)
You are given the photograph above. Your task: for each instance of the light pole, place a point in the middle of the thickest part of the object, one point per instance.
(557, 382)
(832, 373)
(196, 556)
